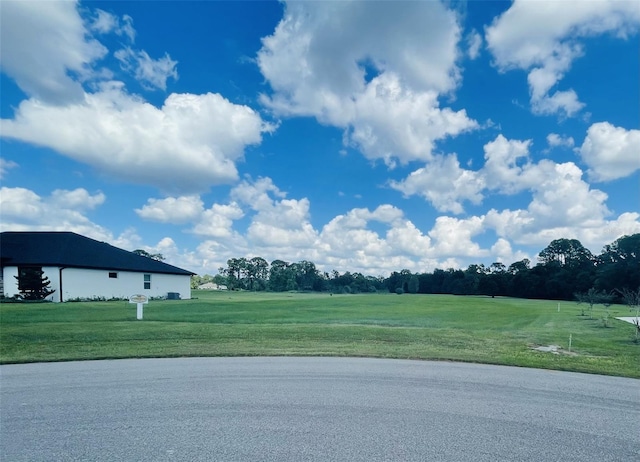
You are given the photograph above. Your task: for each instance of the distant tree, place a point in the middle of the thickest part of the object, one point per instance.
(339, 282)
(197, 281)
(519, 266)
(438, 282)
(282, 276)
(400, 280)
(413, 284)
(220, 280)
(565, 268)
(566, 252)
(496, 281)
(234, 272)
(472, 278)
(619, 264)
(593, 297)
(257, 270)
(453, 282)
(522, 280)
(626, 248)
(33, 284)
(489, 285)
(153, 256)
(376, 283)
(306, 274)
(393, 281)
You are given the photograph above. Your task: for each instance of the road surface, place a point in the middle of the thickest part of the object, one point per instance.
(312, 409)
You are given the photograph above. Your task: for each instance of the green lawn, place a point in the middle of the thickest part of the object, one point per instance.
(443, 327)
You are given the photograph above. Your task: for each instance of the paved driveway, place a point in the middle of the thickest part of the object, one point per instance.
(312, 409)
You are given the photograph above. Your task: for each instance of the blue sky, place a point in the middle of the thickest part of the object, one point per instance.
(362, 136)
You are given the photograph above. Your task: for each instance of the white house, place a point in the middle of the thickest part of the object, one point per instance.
(80, 267)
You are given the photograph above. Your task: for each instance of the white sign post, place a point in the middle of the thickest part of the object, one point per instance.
(139, 300)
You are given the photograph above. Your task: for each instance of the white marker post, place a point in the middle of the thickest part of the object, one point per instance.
(139, 300)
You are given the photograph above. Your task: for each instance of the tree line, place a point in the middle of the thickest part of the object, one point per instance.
(564, 268)
(281, 276)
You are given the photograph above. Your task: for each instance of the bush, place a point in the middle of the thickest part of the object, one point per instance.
(399, 290)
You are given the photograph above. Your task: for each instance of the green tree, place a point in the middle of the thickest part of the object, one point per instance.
(197, 280)
(282, 276)
(33, 284)
(153, 256)
(234, 272)
(495, 280)
(593, 297)
(257, 272)
(306, 274)
(566, 252)
(519, 266)
(619, 264)
(473, 277)
(568, 267)
(413, 284)
(220, 279)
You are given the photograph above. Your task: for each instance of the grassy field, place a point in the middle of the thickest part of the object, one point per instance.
(440, 327)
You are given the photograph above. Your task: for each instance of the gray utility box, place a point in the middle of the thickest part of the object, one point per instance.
(173, 296)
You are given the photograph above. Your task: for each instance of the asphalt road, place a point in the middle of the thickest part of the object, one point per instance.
(312, 409)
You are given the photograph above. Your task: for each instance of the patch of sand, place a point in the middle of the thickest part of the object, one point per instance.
(554, 349)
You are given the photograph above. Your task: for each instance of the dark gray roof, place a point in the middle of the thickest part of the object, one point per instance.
(74, 251)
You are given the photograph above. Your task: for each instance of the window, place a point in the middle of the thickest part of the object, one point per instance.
(113, 275)
(147, 281)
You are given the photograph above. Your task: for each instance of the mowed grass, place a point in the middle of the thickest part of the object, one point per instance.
(436, 327)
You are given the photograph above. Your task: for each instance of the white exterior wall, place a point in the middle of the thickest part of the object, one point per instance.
(9, 281)
(85, 283)
(90, 283)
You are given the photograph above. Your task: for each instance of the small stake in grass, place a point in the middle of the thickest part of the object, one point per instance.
(569, 343)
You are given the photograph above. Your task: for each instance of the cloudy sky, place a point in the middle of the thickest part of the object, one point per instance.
(363, 136)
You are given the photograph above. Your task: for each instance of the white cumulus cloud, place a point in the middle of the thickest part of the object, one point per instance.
(561, 202)
(151, 73)
(444, 184)
(544, 38)
(63, 210)
(103, 22)
(217, 221)
(610, 152)
(187, 145)
(555, 140)
(343, 63)
(45, 49)
(172, 209)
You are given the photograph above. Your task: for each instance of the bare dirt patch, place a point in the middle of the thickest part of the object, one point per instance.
(553, 349)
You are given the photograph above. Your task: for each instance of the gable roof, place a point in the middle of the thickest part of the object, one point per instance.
(72, 250)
